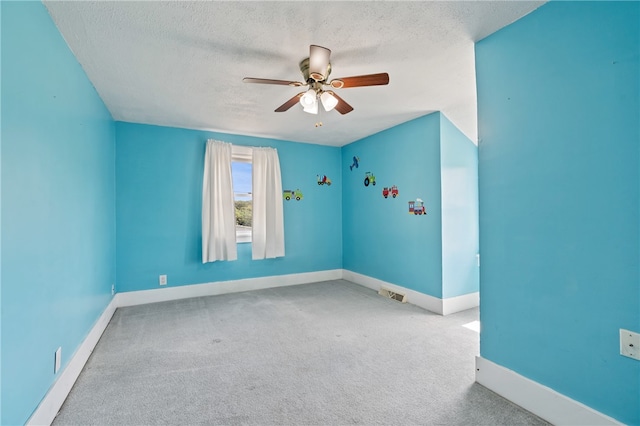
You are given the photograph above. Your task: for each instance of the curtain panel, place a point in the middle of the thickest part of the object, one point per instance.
(268, 219)
(218, 207)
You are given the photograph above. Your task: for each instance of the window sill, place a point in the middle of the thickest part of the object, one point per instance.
(243, 235)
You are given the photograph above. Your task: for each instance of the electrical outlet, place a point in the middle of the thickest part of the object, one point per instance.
(57, 357)
(629, 344)
(162, 280)
(113, 289)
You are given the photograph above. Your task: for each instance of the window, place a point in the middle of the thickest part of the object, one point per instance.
(241, 173)
(266, 233)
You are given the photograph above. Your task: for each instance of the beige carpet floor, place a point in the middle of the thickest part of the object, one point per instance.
(328, 353)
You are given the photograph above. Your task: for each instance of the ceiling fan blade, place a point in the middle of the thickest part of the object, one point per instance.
(318, 62)
(361, 80)
(291, 102)
(342, 107)
(269, 81)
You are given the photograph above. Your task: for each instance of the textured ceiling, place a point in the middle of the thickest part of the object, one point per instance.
(181, 64)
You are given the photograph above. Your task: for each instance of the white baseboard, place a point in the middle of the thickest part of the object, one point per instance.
(142, 297)
(434, 304)
(422, 300)
(55, 397)
(451, 305)
(542, 401)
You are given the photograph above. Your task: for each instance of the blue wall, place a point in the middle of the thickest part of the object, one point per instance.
(459, 180)
(380, 238)
(559, 123)
(58, 206)
(159, 198)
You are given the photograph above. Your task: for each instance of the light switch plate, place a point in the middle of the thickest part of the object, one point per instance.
(630, 344)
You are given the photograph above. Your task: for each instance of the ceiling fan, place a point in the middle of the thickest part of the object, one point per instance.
(315, 70)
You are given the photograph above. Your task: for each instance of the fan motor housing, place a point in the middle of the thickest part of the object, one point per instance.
(304, 69)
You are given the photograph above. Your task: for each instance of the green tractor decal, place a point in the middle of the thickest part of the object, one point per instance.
(369, 178)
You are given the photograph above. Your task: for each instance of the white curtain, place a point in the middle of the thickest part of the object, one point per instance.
(268, 220)
(218, 207)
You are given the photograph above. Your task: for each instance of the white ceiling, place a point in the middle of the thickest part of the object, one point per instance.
(181, 64)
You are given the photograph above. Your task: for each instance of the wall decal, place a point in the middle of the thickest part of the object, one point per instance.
(393, 191)
(323, 180)
(369, 178)
(356, 162)
(417, 207)
(289, 194)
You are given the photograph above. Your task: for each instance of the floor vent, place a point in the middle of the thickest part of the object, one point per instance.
(393, 295)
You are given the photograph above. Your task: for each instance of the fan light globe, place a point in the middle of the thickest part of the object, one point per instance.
(309, 102)
(329, 101)
(308, 98)
(312, 109)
